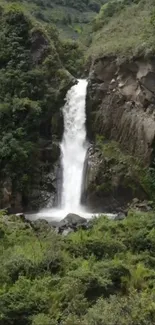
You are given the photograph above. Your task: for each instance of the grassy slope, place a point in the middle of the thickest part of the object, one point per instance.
(128, 33)
(70, 19)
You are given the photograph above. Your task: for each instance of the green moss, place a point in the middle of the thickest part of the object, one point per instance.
(104, 188)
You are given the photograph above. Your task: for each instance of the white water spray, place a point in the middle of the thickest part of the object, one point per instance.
(73, 152)
(73, 146)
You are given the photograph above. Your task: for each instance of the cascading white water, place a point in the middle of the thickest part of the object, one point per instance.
(73, 152)
(73, 146)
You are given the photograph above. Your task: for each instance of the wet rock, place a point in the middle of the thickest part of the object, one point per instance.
(16, 202)
(67, 231)
(72, 220)
(39, 198)
(120, 216)
(54, 224)
(21, 216)
(109, 183)
(50, 151)
(135, 201)
(40, 46)
(10, 200)
(144, 206)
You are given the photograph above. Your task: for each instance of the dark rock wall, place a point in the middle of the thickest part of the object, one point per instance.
(121, 108)
(121, 103)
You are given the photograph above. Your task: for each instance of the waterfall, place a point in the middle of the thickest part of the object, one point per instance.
(73, 146)
(73, 154)
(73, 157)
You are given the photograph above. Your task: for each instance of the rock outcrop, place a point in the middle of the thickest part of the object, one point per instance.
(110, 182)
(120, 108)
(121, 103)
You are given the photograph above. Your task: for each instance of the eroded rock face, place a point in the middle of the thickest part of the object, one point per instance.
(121, 108)
(40, 46)
(10, 200)
(121, 104)
(110, 184)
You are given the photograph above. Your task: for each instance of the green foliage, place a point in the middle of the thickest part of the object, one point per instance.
(29, 95)
(133, 169)
(110, 9)
(104, 275)
(41, 319)
(64, 14)
(124, 28)
(71, 54)
(134, 309)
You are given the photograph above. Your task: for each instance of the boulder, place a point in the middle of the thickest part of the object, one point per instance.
(70, 223)
(21, 216)
(72, 220)
(120, 216)
(66, 232)
(144, 206)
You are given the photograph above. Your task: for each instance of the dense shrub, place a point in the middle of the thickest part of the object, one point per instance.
(29, 96)
(44, 278)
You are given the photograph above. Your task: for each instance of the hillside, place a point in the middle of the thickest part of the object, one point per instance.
(33, 83)
(70, 17)
(124, 28)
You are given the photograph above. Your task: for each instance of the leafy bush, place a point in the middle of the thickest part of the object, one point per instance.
(87, 284)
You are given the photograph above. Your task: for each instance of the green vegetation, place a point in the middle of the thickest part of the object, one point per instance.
(70, 16)
(104, 275)
(132, 171)
(124, 27)
(33, 83)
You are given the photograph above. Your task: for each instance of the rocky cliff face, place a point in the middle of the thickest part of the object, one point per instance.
(121, 99)
(120, 108)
